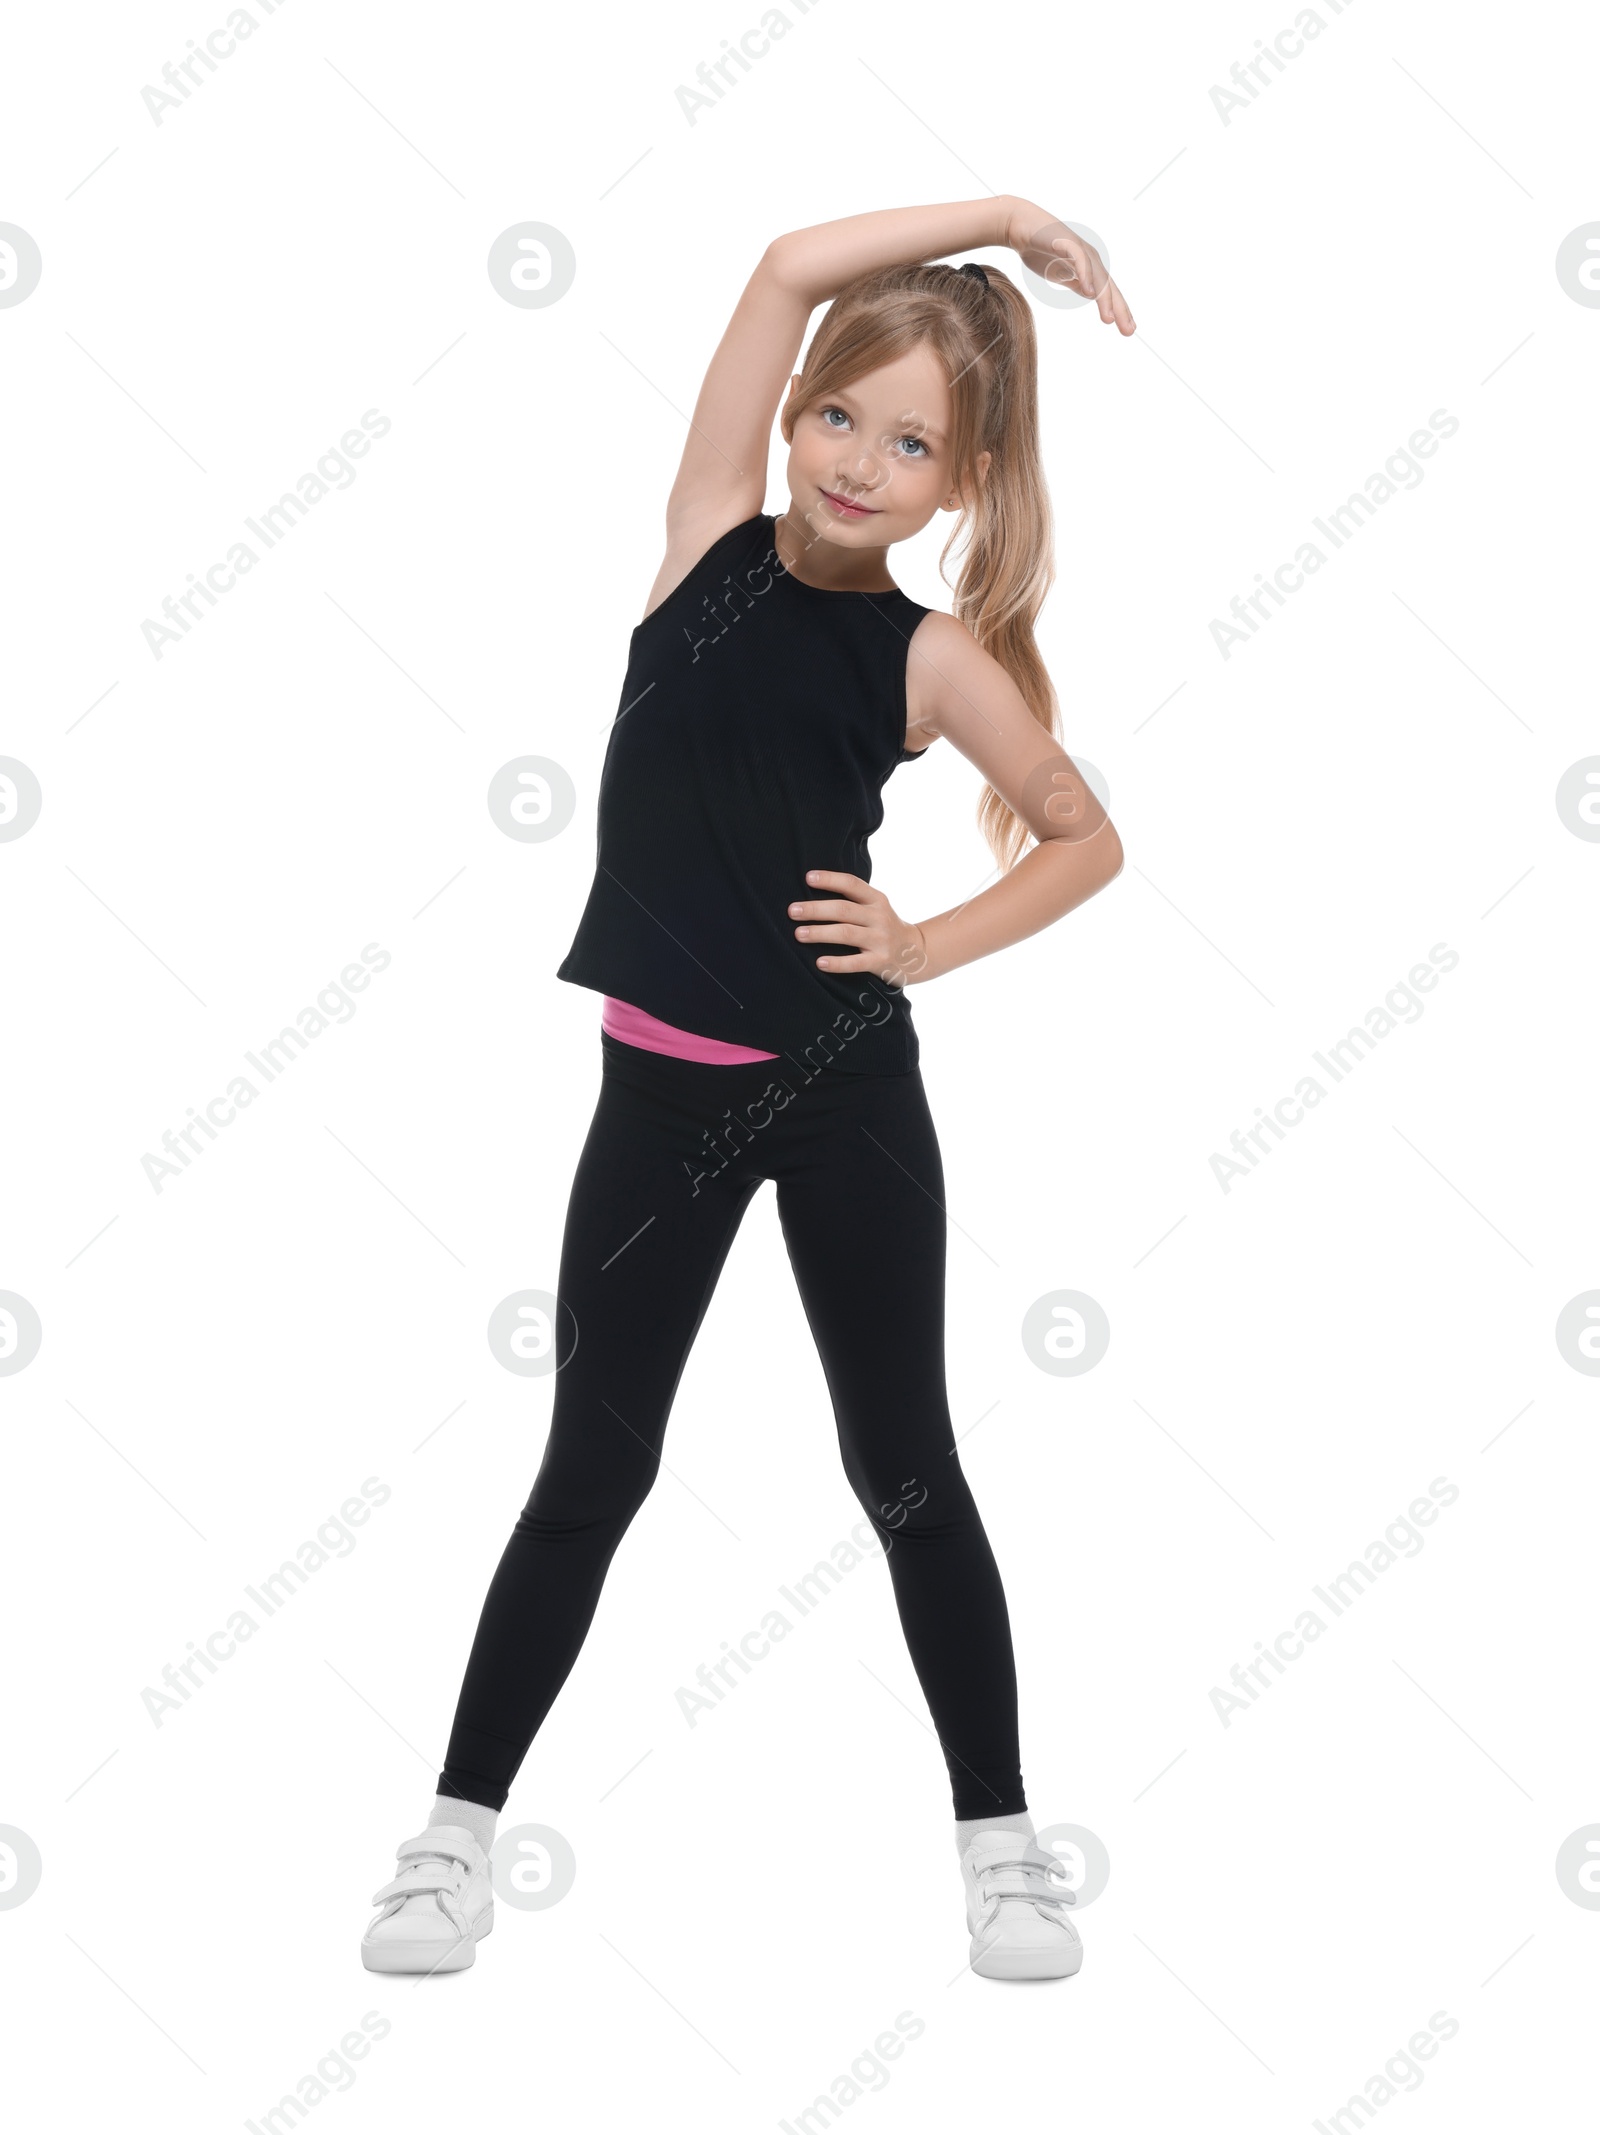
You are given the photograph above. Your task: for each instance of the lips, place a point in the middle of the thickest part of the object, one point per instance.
(849, 507)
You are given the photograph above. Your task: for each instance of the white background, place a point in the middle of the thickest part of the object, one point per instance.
(1291, 1362)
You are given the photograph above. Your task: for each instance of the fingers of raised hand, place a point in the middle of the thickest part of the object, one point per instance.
(1058, 254)
(1086, 268)
(1119, 311)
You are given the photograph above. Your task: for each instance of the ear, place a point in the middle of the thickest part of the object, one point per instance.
(957, 501)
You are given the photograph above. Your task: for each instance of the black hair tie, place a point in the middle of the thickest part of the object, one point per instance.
(971, 267)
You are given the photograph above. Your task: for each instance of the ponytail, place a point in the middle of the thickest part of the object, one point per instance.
(1008, 559)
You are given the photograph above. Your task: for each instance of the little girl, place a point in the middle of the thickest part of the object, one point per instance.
(755, 1022)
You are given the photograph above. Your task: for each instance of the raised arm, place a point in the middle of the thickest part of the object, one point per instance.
(722, 477)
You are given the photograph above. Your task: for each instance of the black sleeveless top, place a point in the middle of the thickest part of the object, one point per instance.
(759, 720)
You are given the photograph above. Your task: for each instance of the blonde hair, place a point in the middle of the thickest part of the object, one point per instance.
(984, 337)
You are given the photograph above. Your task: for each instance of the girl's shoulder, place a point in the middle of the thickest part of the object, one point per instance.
(943, 658)
(940, 633)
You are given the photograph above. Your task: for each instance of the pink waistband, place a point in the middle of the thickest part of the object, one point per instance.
(621, 1020)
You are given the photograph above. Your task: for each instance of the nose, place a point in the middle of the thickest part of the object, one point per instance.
(862, 469)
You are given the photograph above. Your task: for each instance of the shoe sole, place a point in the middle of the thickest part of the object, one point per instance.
(1028, 1964)
(997, 1963)
(424, 1956)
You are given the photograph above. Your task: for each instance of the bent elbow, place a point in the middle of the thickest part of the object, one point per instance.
(778, 262)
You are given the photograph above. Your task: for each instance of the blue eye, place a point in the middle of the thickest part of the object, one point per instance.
(827, 412)
(921, 448)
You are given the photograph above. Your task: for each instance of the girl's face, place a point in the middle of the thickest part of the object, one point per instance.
(870, 464)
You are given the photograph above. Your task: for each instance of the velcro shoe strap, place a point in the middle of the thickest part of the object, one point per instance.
(417, 1882)
(444, 1839)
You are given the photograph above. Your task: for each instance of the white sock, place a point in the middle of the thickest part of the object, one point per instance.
(968, 1829)
(467, 1816)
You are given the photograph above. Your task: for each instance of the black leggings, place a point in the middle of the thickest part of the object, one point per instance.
(675, 1152)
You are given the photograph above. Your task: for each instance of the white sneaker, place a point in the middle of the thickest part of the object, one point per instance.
(1016, 1911)
(438, 1908)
